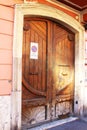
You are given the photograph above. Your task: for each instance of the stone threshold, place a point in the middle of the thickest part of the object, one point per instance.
(53, 124)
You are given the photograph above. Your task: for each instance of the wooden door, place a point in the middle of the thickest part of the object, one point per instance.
(63, 70)
(47, 71)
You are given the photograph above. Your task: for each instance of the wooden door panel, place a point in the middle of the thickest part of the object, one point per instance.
(32, 116)
(64, 61)
(34, 71)
(63, 73)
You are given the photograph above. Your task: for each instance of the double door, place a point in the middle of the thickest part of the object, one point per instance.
(47, 71)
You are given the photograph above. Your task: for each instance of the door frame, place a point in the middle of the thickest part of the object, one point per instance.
(41, 10)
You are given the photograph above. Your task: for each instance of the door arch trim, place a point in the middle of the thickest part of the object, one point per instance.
(40, 10)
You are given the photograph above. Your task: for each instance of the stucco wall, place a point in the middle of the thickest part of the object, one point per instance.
(6, 35)
(6, 39)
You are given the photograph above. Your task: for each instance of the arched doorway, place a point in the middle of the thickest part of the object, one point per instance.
(47, 71)
(51, 13)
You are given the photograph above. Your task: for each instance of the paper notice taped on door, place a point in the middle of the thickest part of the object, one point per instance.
(33, 50)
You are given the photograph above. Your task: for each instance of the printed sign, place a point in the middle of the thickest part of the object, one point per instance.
(34, 50)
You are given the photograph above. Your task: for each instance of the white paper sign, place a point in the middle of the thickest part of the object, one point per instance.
(34, 50)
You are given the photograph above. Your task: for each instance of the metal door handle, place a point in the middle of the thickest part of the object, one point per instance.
(33, 73)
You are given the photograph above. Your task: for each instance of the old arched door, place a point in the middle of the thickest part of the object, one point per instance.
(47, 71)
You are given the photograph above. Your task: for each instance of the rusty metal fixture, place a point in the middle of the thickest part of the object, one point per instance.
(70, 37)
(26, 27)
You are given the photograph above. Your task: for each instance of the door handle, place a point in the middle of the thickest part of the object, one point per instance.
(30, 73)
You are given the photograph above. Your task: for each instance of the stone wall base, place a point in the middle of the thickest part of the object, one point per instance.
(5, 110)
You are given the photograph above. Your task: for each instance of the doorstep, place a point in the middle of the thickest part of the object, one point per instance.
(53, 124)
